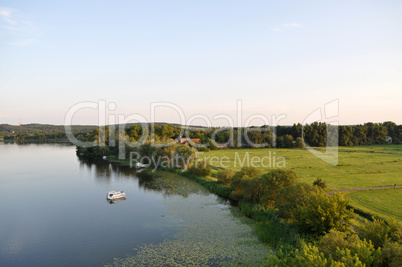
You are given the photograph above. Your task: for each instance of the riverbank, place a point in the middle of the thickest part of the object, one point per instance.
(300, 220)
(36, 141)
(207, 230)
(269, 227)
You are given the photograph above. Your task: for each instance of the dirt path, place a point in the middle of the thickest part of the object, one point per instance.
(367, 188)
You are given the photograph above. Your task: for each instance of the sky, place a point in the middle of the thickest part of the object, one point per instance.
(200, 62)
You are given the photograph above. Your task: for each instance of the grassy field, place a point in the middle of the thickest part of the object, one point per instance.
(384, 202)
(362, 166)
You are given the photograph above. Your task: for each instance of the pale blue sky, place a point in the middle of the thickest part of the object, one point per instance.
(277, 57)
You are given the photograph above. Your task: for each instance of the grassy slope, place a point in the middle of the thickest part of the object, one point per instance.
(385, 202)
(363, 166)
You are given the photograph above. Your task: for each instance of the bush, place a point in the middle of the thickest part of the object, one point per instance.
(212, 144)
(277, 234)
(270, 228)
(249, 184)
(165, 155)
(335, 240)
(309, 255)
(319, 213)
(392, 254)
(381, 232)
(184, 156)
(273, 182)
(289, 197)
(203, 149)
(225, 176)
(288, 141)
(243, 174)
(200, 168)
(299, 143)
(320, 183)
(252, 188)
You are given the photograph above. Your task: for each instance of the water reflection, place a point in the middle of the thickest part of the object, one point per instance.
(166, 183)
(115, 201)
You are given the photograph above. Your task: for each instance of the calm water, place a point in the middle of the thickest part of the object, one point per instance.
(54, 212)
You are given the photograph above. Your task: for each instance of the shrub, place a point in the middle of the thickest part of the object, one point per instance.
(252, 188)
(166, 153)
(299, 143)
(288, 141)
(335, 240)
(289, 197)
(184, 156)
(203, 149)
(392, 254)
(200, 168)
(309, 255)
(249, 184)
(278, 234)
(381, 232)
(212, 144)
(320, 183)
(225, 176)
(319, 213)
(244, 173)
(148, 153)
(273, 182)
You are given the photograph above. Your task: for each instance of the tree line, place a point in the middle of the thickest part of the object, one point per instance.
(295, 136)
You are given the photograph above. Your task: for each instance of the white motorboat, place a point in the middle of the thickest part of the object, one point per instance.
(139, 166)
(111, 195)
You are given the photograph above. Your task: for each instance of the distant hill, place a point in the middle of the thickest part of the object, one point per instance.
(36, 128)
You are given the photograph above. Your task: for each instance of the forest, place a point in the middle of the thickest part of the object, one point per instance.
(314, 134)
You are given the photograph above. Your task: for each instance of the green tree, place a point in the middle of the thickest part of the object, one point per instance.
(299, 143)
(134, 132)
(212, 144)
(360, 132)
(200, 168)
(237, 182)
(309, 255)
(288, 141)
(345, 136)
(296, 130)
(320, 183)
(320, 212)
(273, 182)
(148, 153)
(335, 240)
(280, 142)
(252, 188)
(165, 155)
(380, 232)
(289, 197)
(392, 254)
(167, 131)
(184, 156)
(224, 176)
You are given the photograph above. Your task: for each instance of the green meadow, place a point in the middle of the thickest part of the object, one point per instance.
(384, 202)
(358, 167)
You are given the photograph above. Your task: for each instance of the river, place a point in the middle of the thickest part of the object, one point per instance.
(54, 212)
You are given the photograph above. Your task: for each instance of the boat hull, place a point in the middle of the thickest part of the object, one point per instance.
(112, 195)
